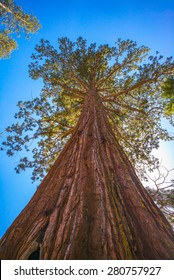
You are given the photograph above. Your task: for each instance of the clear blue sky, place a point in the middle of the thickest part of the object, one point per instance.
(149, 22)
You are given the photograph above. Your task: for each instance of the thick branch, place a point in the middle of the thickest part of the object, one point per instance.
(76, 93)
(110, 74)
(113, 70)
(141, 83)
(125, 106)
(115, 95)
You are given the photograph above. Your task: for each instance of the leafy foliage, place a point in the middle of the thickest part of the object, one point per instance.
(13, 19)
(128, 81)
(168, 95)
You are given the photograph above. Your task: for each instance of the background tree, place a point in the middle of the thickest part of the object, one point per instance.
(13, 19)
(162, 191)
(91, 204)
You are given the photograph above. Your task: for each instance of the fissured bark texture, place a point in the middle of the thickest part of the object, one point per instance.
(91, 205)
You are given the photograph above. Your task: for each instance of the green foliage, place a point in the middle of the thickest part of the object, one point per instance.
(168, 95)
(128, 82)
(13, 19)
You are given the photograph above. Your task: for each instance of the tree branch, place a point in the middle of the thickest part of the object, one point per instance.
(125, 106)
(15, 15)
(80, 81)
(107, 98)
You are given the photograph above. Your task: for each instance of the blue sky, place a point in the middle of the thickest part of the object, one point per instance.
(150, 23)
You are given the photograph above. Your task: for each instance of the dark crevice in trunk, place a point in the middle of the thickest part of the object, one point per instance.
(35, 255)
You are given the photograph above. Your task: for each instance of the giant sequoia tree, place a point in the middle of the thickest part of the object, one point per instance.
(97, 120)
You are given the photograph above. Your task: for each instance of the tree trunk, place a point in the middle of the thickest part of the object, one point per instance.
(91, 204)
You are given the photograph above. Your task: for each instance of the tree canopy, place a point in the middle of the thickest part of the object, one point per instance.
(162, 191)
(129, 81)
(13, 19)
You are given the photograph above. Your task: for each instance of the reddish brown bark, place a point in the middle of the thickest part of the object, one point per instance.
(91, 205)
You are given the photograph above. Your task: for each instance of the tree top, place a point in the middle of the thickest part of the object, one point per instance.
(129, 82)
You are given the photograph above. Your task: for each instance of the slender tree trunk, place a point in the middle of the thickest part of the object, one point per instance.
(91, 205)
